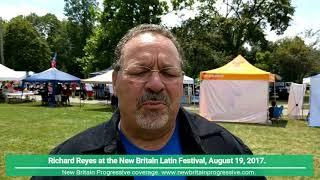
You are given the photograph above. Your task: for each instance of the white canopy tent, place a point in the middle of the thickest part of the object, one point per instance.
(105, 78)
(295, 102)
(188, 89)
(187, 80)
(306, 80)
(7, 74)
(235, 92)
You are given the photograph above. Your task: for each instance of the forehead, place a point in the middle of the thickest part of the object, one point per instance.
(149, 46)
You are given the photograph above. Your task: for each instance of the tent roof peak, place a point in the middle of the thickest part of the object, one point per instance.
(237, 69)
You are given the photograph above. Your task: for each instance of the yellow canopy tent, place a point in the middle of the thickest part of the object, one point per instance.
(237, 69)
(235, 92)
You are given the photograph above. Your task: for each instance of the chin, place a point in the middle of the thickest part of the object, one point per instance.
(152, 119)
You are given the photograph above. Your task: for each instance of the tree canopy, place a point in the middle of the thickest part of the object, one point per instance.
(218, 31)
(24, 48)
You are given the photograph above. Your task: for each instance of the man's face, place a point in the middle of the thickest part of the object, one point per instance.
(149, 99)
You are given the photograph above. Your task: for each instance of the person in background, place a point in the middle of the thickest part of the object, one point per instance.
(57, 94)
(73, 88)
(271, 109)
(66, 93)
(83, 91)
(10, 87)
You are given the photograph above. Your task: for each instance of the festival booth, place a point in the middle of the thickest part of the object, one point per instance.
(7, 74)
(105, 78)
(314, 119)
(104, 81)
(53, 76)
(100, 72)
(235, 92)
(187, 90)
(295, 102)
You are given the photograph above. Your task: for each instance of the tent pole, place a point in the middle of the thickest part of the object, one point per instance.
(194, 103)
(274, 91)
(80, 93)
(303, 94)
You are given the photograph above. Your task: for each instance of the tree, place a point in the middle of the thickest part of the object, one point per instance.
(81, 20)
(118, 16)
(24, 48)
(224, 30)
(244, 21)
(1, 40)
(313, 36)
(203, 49)
(294, 59)
(56, 35)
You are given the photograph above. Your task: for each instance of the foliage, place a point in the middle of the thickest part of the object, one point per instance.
(55, 34)
(314, 37)
(221, 31)
(294, 59)
(24, 48)
(81, 20)
(2, 30)
(203, 48)
(290, 58)
(118, 16)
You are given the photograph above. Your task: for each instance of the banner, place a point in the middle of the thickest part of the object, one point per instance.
(159, 165)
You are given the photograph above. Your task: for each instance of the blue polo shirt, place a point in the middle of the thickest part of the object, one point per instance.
(173, 147)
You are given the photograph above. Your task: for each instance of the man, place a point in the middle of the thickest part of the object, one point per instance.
(148, 81)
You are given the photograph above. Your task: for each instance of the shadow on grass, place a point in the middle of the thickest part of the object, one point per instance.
(279, 123)
(243, 124)
(48, 106)
(101, 109)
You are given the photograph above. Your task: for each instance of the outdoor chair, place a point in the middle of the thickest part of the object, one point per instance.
(277, 113)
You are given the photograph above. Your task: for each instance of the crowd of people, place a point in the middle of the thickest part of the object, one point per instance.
(57, 94)
(11, 87)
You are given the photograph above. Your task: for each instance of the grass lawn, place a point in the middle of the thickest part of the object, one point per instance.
(33, 129)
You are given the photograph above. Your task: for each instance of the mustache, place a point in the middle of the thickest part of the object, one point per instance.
(151, 96)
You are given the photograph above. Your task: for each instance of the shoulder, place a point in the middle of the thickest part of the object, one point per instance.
(213, 138)
(90, 140)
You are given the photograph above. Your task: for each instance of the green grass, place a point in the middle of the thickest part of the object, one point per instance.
(285, 137)
(33, 129)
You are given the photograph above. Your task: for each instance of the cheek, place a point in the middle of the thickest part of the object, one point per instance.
(175, 91)
(128, 92)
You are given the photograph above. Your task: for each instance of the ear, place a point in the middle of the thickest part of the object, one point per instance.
(114, 82)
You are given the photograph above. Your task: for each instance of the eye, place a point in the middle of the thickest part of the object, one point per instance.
(170, 72)
(137, 71)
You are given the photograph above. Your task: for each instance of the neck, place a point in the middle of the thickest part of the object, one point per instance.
(148, 139)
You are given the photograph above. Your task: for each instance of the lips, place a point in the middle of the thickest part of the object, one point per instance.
(154, 104)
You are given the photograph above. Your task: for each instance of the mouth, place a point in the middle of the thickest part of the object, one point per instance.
(153, 105)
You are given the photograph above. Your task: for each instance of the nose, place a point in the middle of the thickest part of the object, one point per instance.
(154, 83)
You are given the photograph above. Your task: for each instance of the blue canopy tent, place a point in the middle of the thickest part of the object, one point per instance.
(53, 76)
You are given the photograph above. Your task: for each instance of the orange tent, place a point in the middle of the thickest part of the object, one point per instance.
(237, 69)
(235, 92)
